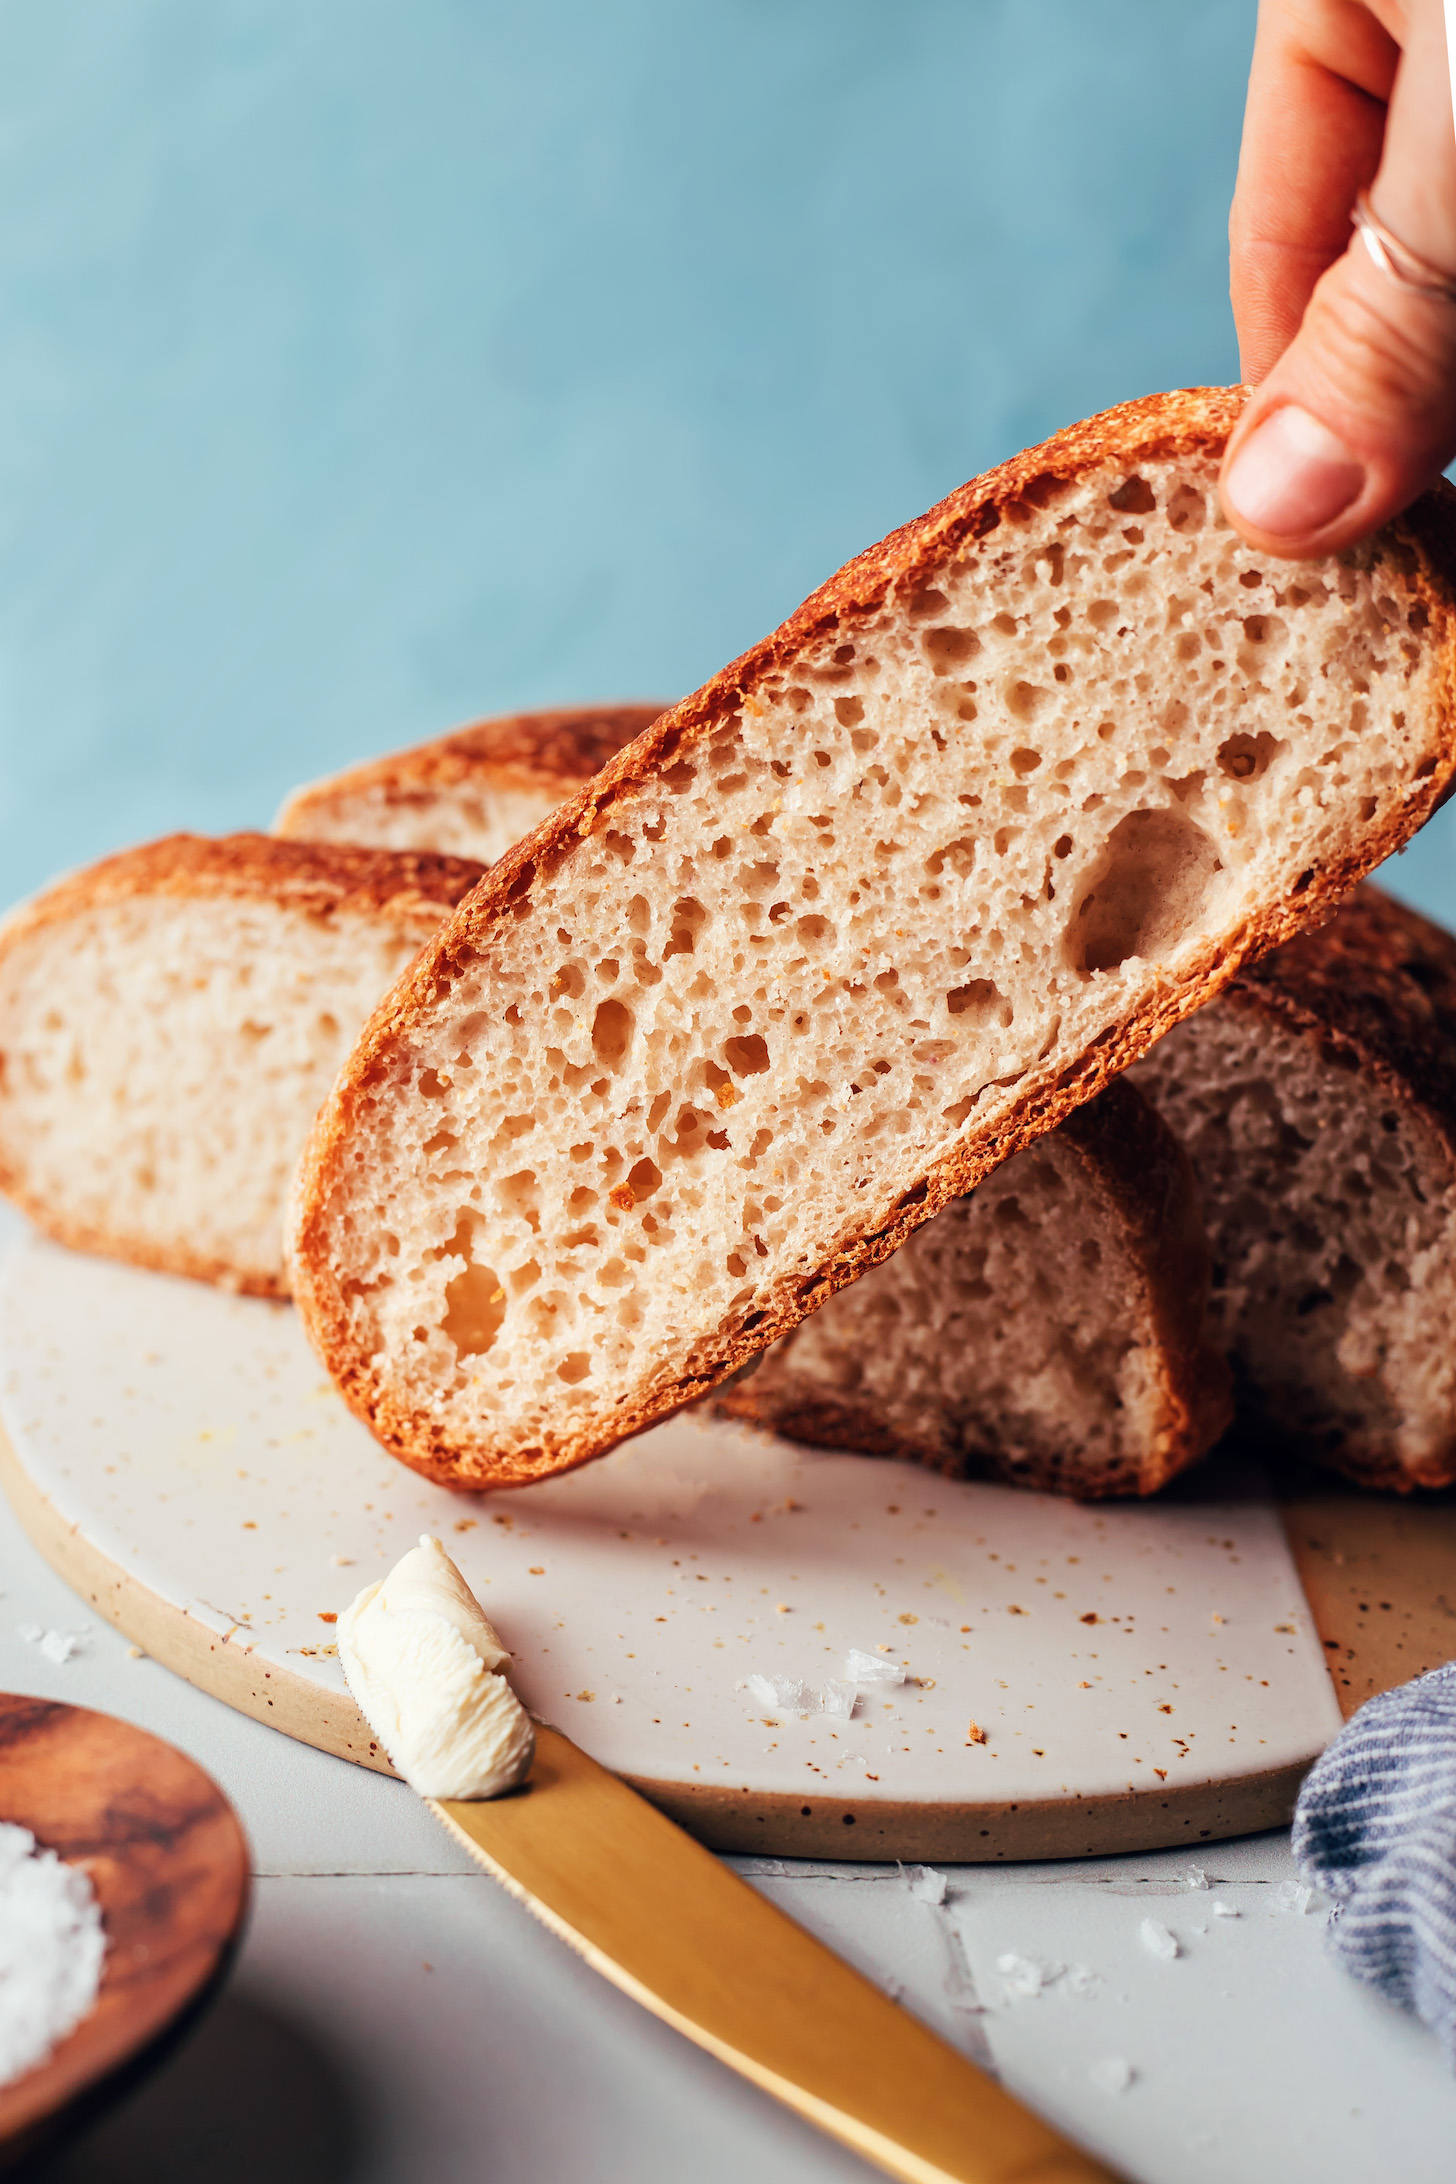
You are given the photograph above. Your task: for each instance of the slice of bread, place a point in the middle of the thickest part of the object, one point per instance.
(1318, 1100)
(170, 1020)
(470, 794)
(890, 896)
(1048, 1330)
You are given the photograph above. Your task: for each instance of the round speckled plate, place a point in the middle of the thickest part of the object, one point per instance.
(1143, 1675)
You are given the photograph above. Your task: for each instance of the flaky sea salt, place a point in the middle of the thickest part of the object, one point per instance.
(789, 1693)
(925, 1884)
(1295, 1897)
(1157, 1940)
(1226, 1911)
(792, 1695)
(1025, 1977)
(1114, 2074)
(56, 1645)
(871, 1668)
(51, 1947)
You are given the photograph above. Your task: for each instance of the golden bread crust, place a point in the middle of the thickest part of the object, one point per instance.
(553, 751)
(317, 878)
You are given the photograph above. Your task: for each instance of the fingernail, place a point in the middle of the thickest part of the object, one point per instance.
(1293, 475)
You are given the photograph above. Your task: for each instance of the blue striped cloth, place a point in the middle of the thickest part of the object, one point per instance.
(1375, 1828)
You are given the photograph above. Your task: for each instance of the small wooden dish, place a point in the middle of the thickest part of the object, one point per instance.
(169, 1863)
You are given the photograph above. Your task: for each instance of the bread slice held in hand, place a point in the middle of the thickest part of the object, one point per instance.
(1048, 1330)
(472, 793)
(170, 1020)
(1318, 1101)
(890, 896)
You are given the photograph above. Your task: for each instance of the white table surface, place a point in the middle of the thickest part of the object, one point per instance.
(395, 2019)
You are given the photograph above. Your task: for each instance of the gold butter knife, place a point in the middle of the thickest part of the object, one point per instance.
(660, 1917)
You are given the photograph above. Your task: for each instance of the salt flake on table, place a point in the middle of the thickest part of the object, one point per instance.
(1195, 1878)
(789, 1693)
(1226, 1911)
(925, 1884)
(56, 1645)
(792, 1695)
(1114, 2074)
(1157, 1940)
(1295, 1897)
(871, 1668)
(1024, 1977)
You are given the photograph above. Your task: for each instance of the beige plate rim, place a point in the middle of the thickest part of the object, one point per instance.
(745, 1822)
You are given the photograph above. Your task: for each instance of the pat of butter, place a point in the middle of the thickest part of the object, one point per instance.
(425, 1667)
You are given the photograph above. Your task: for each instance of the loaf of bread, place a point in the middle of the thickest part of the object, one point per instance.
(1318, 1102)
(888, 898)
(471, 794)
(1048, 1330)
(170, 1021)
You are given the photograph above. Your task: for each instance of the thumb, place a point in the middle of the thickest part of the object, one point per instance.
(1359, 414)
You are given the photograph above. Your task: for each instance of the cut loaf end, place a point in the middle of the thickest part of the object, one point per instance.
(1048, 1330)
(1318, 1101)
(469, 794)
(1015, 792)
(170, 1021)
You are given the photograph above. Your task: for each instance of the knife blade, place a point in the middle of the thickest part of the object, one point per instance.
(665, 1921)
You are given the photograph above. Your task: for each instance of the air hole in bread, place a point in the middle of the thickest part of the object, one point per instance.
(475, 1301)
(981, 1001)
(1248, 758)
(1025, 700)
(747, 1057)
(946, 649)
(1149, 888)
(1134, 497)
(612, 1029)
(1188, 511)
(688, 919)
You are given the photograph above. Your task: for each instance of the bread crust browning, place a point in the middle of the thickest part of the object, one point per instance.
(413, 891)
(406, 886)
(1138, 1175)
(553, 751)
(1422, 549)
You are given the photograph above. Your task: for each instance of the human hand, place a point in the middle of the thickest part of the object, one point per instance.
(1354, 411)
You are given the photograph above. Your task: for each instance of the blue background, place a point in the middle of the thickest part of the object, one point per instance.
(366, 365)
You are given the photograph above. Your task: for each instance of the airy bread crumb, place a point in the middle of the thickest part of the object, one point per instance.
(170, 1020)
